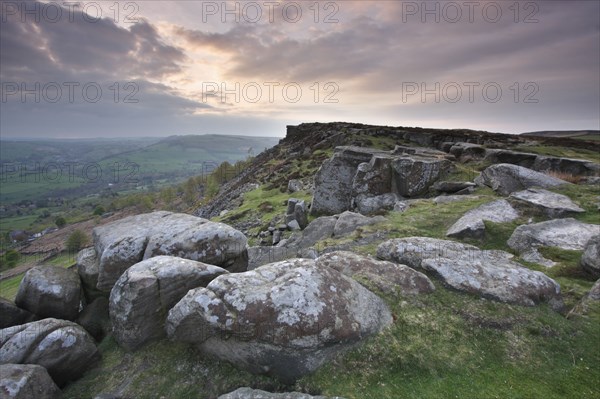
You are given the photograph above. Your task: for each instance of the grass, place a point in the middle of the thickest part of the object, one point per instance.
(9, 287)
(556, 151)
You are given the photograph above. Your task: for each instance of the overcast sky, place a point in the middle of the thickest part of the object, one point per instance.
(158, 68)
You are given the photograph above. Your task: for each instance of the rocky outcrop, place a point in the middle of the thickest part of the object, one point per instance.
(12, 315)
(471, 224)
(542, 163)
(26, 381)
(50, 291)
(121, 244)
(567, 233)
(590, 260)
(143, 295)
(249, 393)
(452, 187)
(466, 268)
(64, 348)
(507, 178)
(284, 319)
(412, 176)
(387, 277)
(540, 201)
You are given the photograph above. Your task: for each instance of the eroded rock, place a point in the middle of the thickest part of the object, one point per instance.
(26, 381)
(507, 178)
(590, 260)
(12, 315)
(471, 224)
(545, 202)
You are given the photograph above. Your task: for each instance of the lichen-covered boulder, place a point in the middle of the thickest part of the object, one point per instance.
(26, 381)
(506, 178)
(121, 244)
(413, 175)
(143, 295)
(284, 319)
(64, 348)
(50, 291)
(388, 277)
(538, 200)
(471, 224)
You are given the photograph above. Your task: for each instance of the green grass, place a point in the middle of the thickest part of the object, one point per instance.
(9, 287)
(555, 151)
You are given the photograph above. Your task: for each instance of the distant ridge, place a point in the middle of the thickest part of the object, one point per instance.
(563, 133)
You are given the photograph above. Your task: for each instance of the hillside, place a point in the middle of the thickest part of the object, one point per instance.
(474, 312)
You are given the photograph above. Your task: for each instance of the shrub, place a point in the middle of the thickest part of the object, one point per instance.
(76, 241)
(60, 222)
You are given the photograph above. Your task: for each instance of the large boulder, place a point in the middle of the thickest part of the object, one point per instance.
(373, 178)
(387, 277)
(538, 200)
(88, 270)
(143, 295)
(284, 319)
(26, 381)
(64, 348)
(297, 211)
(12, 315)
(128, 241)
(50, 291)
(348, 222)
(471, 224)
(249, 393)
(334, 180)
(368, 205)
(590, 260)
(94, 318)
(566, 233)
(466, 268)
(413, 175)
(507, 178)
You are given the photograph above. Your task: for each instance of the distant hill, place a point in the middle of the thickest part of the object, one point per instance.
(591, 135)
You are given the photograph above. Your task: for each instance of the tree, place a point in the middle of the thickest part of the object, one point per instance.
(60, 222)
(99, 210)
(76, 241)
(10, 258)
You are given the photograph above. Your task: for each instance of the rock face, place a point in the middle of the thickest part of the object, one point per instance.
(26, 381)
(50, 291)
(249, 393)
(143, 295)
(95, 320)
(413, 176)
(590, 260)
(131, 240)
(296, 211)
(388, 277)
(284, 319)
(545, 202)
(489, 274)
(12, 315)
(87, 268)
(370, 205)
(562, 233)
(507, 178)
(64, 348)
(471, 223)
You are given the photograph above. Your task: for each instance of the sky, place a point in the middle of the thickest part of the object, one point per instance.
(157, 68)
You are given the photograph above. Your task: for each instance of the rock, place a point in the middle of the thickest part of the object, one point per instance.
(562, 233)
(381, 203)
(12, 315)
(260, 256)
(545, 202)
(348, 222)
(293, 226)
(319, 229)
(26, 381)
(87, 268)
(583, 306)
(50, 291)
(451, 187)
(133, 239)
(333, 180)
(276, 239)
(295, 186)
(373, 178)
(249, 393)
(594, 293)
(223, 212)
(285, 319)
(296, 210)
(64, 348)
(401, 206)
(466, 268)
(468, 151)
(95, 320)
(499, 156)
(412, 176)
(471, 223)
(590, 260)
(506, 178)
(143, 295)
(388, 277)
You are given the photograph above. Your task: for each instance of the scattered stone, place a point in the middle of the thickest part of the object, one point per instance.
(94, 318)
(143, 295)
(507, 178)
(64, 348)
(50, 291)
(451, 187)
(12, 315)
(413, 176)
(128, 241)
(285, 319)
(223, 212)
(371, 205)
(348, 222)
(546, 202)
(249, 393)
(295, 186)
(590, 260)
(276, 239)
(387, 277)
(296, 210)
(466, 268)
(447, 199)
(87, 268)
(567, 233)
(293, 226)
(319, 229)
(401, 206)
(26, 381)
(582, 307)
(471, 224)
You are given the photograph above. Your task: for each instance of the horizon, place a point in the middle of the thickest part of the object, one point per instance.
(138, 69)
